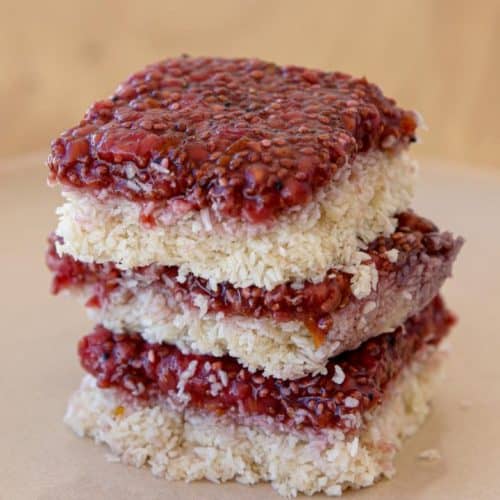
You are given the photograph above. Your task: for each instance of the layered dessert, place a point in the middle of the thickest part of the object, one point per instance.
(267, 303)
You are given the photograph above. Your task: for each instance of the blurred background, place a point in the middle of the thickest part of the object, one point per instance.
(440, 57)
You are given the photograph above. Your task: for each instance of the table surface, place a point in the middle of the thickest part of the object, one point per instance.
(42, 459)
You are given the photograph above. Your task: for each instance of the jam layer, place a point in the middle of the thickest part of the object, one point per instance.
(355, 381)
(245, 138)
(313, 303)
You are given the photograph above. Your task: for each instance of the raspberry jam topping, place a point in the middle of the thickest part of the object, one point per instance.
(355, 382)
(245, 138)
(313, 304)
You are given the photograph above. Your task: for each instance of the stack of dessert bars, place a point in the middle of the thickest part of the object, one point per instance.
(267, 304)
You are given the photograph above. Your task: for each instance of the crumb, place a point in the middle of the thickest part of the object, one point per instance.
(339, 375)
(392, 255)
(351, 402)
(430, 455)
(465, 404)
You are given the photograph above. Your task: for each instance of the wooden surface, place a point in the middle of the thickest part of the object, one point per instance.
(41, 459)
(437, 56)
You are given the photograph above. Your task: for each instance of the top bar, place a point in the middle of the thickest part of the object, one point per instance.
(245, 138)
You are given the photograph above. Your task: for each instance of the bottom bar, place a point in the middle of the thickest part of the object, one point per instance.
(189, 445)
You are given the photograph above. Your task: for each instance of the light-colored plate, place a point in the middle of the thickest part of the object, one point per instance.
(41, 459)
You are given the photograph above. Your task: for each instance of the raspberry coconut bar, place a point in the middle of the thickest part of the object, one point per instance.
(194, 416)
(286, 332)
(242, 234)
(282, 173)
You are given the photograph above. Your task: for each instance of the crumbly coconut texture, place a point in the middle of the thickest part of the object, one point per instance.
(186, 446)
(329, 232)
(284, 350)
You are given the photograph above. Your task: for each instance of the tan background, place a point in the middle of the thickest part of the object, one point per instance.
(440, 57)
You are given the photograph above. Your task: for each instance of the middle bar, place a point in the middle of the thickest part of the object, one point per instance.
(288, 331)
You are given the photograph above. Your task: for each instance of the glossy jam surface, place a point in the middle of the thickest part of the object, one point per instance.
(356, 381)
(245, 138)
(313, 304)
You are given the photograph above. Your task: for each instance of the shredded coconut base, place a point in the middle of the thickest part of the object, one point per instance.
(186, 446)
(329, 232)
